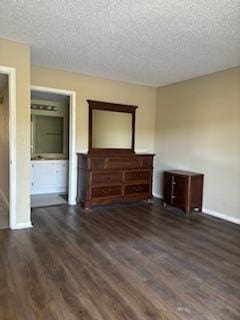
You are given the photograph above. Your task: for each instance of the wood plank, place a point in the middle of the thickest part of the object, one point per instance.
(132, 262)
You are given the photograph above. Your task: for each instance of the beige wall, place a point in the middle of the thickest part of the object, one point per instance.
(16, 55)
(198, 129)
(4, 145)
(103, 90)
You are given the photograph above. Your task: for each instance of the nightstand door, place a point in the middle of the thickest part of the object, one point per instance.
(168, 188)
(180, 191)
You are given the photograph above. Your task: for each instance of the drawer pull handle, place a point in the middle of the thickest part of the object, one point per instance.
(106, 191)
(137, 189)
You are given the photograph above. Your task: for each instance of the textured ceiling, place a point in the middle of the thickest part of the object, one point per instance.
(143, 41)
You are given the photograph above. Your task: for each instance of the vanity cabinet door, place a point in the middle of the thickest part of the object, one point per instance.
(61, 174)
(42, 176)
(49, 176)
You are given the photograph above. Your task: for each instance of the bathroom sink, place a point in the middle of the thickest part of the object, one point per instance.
(47, 159)
(38, 158)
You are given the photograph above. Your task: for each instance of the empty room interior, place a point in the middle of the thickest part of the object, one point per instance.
(120, 160)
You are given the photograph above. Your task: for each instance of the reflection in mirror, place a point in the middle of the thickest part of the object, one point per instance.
(111, 129)
(48, 134)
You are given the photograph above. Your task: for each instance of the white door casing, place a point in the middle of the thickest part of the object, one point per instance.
(72, 172)
(11, 72)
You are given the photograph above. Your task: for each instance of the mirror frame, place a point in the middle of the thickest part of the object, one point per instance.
(107, 106)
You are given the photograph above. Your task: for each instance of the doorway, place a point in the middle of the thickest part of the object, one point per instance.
(4, 151)
(8, 148)
(53, 158)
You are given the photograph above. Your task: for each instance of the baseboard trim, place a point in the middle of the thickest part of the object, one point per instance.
(159, 196)
(221, 216)
(2, 195)
(48, 190)
(210, 212)
(26, 225)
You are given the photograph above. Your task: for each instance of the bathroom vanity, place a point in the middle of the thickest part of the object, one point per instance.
(49, 176)
(49, 146)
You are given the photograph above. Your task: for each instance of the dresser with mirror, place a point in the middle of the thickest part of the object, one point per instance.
(111, 171)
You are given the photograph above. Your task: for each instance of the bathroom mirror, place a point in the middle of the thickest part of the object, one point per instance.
(111, 127)
(48, 134)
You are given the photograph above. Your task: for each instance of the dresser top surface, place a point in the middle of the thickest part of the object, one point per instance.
(184, 173)
(116, 155)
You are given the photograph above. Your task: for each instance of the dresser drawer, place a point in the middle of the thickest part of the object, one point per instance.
(105, 192)
(137, 175)
(105, 177)
(96, 163)
(136, 188)
(122, 163)
(147, 162)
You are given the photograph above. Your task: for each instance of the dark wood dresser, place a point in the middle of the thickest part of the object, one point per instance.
(105, 179)
(183, 190)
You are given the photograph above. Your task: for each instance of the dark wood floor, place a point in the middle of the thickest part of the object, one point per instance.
(134, 262)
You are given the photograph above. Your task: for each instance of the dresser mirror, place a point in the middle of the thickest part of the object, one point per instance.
(111, 127)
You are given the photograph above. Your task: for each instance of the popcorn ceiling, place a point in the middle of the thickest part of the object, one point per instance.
(149, 42)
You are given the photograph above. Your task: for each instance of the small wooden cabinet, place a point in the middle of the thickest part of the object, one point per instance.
(104, 179)
(183, 190)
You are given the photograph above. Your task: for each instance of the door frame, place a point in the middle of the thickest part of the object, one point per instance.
(72, 177)
(11, 73)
